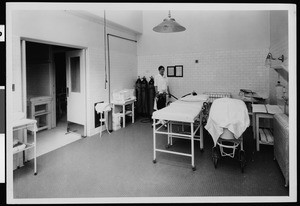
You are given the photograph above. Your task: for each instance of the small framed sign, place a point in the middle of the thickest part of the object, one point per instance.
(170, 71)
(179, 71)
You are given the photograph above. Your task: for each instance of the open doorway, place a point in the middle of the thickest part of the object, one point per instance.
(62, 90)
(49, 74)
(61, 85)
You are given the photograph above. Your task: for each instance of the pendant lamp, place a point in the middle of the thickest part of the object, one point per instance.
(169, 25)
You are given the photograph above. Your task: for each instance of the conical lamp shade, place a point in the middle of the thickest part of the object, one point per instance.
(169, 25)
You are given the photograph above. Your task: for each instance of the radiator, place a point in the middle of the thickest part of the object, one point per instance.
(211, 97)
(216, 95)
(281, 144)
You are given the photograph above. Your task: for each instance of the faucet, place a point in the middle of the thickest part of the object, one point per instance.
(285, 99)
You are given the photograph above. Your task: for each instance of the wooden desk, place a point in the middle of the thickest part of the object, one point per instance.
(31, 125)
(124, 112)
(263, 135)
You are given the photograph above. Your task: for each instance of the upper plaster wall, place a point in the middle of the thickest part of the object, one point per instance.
(205, 30)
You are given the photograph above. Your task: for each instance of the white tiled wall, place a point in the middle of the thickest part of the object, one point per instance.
(216, 71)
(123, 64)
(279, 38)
(123, 69)
(277, 49)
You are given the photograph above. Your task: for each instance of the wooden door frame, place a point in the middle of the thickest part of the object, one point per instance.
(23, 41)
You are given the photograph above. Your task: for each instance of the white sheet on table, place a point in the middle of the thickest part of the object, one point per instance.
(227, 113)
(179, 111)
(181, 103)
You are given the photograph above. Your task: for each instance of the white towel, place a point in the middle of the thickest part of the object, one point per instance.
(155, 103)
(18, 147)
(227, 113)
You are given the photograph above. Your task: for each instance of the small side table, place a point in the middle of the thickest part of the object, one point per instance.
(29, 124)
(262, 135)
(124, 112)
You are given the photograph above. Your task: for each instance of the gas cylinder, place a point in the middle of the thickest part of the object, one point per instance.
(151, 95)
(138, 95)
(144, 94)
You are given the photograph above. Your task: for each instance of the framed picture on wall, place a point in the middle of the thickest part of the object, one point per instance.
(179, 71)
(170, 71)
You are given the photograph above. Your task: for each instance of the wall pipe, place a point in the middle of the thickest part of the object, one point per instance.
(105, 81)
(120, 37)
(108, 59)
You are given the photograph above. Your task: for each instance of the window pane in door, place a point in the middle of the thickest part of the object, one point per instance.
(75, 74)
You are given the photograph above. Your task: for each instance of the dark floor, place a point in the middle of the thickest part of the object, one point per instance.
(120, 165)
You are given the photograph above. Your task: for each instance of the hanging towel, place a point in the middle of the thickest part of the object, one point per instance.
(227, 113)
(155, 104)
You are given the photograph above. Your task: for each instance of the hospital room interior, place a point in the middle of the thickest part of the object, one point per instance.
(161, 102)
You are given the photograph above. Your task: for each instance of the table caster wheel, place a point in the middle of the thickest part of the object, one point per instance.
(202, 150)
(215, 156)
(35, 173)
(154, 161)
(168, 146)
(194, 168)
(215, 160)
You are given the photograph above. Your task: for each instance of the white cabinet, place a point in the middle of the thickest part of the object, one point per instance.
(40, 109)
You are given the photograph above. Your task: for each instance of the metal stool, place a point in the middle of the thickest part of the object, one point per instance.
(103, 108)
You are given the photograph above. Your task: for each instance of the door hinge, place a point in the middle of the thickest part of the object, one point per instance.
(67, 91)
